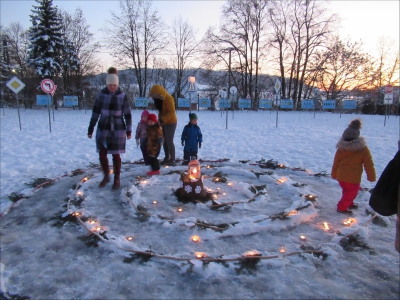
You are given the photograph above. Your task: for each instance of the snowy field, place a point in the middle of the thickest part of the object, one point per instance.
(46, 253)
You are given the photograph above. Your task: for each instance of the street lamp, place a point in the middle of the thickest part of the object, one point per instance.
(191, 80)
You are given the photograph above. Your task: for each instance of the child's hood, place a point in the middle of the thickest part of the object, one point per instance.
(355, 145)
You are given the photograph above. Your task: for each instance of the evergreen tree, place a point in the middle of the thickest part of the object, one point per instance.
(45, 51)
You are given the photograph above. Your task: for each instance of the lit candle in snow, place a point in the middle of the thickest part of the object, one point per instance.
(195, 238)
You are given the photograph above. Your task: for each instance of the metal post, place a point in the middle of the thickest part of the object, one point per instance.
(229, 85)
(198, 102)
(2, 99)
(277, 109)
(19, 117)
(48, 109)
(53, 107)
(190, 102)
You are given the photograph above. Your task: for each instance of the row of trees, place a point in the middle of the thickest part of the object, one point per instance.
(292, 40)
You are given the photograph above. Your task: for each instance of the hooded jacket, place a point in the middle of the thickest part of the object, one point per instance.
(350, 158)
(165, 104)
(142, 127)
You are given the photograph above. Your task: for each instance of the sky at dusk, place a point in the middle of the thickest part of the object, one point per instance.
(360, 20)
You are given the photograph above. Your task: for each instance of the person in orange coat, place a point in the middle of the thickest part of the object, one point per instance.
(165, 104)
(351, 156)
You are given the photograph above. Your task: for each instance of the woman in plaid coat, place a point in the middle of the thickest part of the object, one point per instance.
(112, 112)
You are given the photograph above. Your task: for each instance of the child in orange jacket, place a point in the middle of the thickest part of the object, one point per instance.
(351, 156)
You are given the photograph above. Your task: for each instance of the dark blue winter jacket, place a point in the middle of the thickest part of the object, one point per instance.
(192, 136)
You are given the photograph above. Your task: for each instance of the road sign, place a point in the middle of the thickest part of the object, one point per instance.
(233, 90)
(389, 89)
(277, 86)
(388, 99)
(48, 86)
(15, 85)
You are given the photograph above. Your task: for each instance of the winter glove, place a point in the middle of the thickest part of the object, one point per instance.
(160, 121)
(199, 145)
(137, 143)
(183, 143)
(129, 134)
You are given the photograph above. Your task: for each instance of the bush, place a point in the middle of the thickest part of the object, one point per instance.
(368, 107)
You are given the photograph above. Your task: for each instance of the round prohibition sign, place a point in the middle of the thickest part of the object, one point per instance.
(389, 89)
(47, 86)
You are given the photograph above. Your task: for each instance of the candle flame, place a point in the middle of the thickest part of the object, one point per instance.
(325, 225)
(282, 180)
(154, 202)
(200, 255)
(282, 250)
(92, 222)
(348, 221)
(180, 209)
(129, 238)
(292, 213)
(302, 237)
(230, 183)
(195, 238)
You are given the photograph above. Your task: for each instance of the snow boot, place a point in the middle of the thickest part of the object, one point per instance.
(106, 172)
(151, 173)
(346, 212)
(117, 172)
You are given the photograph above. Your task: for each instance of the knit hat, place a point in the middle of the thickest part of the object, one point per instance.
(152, 117)
(353, 131)
(112, 79)
(112, 76)
(192, 116)
(145, 113)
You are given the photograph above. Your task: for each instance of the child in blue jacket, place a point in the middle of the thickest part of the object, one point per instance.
(191, 138)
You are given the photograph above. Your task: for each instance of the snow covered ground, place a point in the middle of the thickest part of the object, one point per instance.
(45, 256)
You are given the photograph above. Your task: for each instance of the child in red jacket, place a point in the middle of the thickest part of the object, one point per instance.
(155, 140)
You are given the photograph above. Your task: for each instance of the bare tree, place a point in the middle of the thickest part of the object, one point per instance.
(135, 36)
(311, 28)
(77, 34)
(243, 33)
(15, 41)
(340, 68)
(387, 64)
(184, 48)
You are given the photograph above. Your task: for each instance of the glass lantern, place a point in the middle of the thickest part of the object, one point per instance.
(194, 170)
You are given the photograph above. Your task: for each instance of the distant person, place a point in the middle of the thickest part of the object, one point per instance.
(154, 142)
(115, 125)
(165, 104)
(191, 139)
(385, 197)
(140, 136)
(351, 156)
